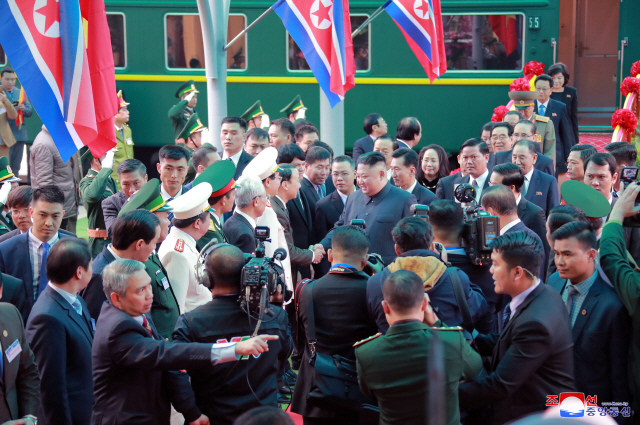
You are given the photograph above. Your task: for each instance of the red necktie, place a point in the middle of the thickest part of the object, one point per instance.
(146, 325)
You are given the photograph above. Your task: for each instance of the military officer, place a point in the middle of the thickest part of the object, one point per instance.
(192, 136)
(6, 176)
(545, 135)
(164, 310)
(180, 112)
(295, 111)
(179, 254)
(256, 117)
(95, 187)
(124, 145)
(220, 176)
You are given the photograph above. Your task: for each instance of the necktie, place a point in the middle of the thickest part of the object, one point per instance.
(324, 190)
(145, 324)
(122, 133)
(570, 301)
(42, 279)
(300, 201)
(525, 186)
(77, 306)
(230, 159)
(506, 315)
(319, 190)
(170, 214)
(474, 183)
(542, 109)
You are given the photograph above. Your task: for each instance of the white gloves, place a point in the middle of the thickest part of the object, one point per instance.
(4, 192)
(189, 96)
(302, 114)
(205, 137)
(265, 121)
(107, 161)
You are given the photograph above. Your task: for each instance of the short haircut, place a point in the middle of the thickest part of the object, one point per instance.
(511, 175)
(316, 154)
(5, 70)
(304, 130)
(371, 120)
(503, 124)
(520, 249)
(488, 127)
(583, 233)
(443, 170)
(412, 233)
(131, 166)
(288, 152)
(183, 223)
(133, 226)
(235, 120)
(571, 210)
(403, 291)
(264, 415)
(116, 274)
(65, 257)
(586, 151)
(557, 220)
(446, 215)
(544, 77)
(344, 158)
(500, 198)
(174, 153)
(531, 124)
(49, 193)
(371, 159)
(625, 153)
(531, 146)
(602, 159)
(285, 125)
(516, 113)
(350, 239)
(559, 68)
(300, 123)
(476, 141)
(409, 157)
(321, 144)
(249, 188)
(224, 265)
(408, 128)
(200, 155)
(20, 197)
(286, 171)
(257, 134)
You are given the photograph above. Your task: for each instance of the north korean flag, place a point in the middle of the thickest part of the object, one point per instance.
(322, 30)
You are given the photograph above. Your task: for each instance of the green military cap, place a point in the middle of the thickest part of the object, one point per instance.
(85, 154)
(295, 105)
(187, 87)
(220, 176)
(522, 99)
(254, 112)
(147, 198)
(6, 175)
(193, 125)
(593, 203)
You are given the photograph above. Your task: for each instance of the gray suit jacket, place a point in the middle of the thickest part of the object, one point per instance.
(297, 256)
(111, 207)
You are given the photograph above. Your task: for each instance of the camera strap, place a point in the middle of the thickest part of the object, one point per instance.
(467, 321)
(297, 299)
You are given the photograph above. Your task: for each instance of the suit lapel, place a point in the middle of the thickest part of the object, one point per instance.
(311, 189)
(587, 308)
(336, 201)
(531, 191)
(245, 221)
(522, 307)
(73, 315)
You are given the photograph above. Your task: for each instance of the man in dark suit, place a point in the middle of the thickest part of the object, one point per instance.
(378, 203)
(317, 168)
(404, 164)
(24, 257)
(251, 200)
(339, 314)
(527, 130)
(600, 323)
(232, 137)
(329, 208)
(136, 372)
(539, 188)
(173, 167)
(473, 158)
(374, 126)
(408, 133)
(60, 332)
(132, 174)
(532, 356)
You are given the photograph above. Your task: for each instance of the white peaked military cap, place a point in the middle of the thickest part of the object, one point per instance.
(263, 165)
(192, 203)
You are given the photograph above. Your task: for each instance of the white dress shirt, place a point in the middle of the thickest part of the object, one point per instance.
(509, 226)
(481, 179)
(165, 195)
(68, 296)
(518, 299)
(251, 221)
(283, 203)
(413, 186)
(343, 197)
(235, 158)
(545, 104)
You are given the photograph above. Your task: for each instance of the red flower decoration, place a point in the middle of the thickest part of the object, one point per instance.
(626, 119)
(532, 69)
(456, 171)
(630, 85)
(635, 68)
(520, 84)
(498, 113)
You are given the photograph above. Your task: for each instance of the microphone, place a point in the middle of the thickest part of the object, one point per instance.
(280, 254)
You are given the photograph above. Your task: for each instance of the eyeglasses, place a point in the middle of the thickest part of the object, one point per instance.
(501, 137)
(542, 89)
(343, 176)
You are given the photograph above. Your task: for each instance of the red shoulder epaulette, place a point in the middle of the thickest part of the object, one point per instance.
(179, 245)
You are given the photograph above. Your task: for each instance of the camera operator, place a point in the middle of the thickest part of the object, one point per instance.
(227, 390)
(413, 238)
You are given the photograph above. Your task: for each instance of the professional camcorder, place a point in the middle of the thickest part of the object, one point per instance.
(374, 261)
(480, 228)
(629, 175)
(420, 211)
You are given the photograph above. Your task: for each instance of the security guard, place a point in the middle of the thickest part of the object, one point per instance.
(220, 176)
(164, 310)
(524, 102)
(295, 111)
(124, 145)
(179, 254)
(6, 176)
(95, 187)
(180, 112)
(256, 117)
(192, 136)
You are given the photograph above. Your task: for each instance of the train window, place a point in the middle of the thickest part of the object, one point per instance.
(117, 29)
(361, 48)
(483, 42)
(184, 46)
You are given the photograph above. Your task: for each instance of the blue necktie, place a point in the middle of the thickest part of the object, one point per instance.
(542, 109)
(42, 279)
(170, 214)
(506, 316)
(77, 306)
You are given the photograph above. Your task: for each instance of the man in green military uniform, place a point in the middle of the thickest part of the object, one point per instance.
(95, 187)
(192, 136)
(256, 117)
(124, 145)
(180, 112)
(391, 367)
(295, 111)
(164, 310)
(220, 176)
(7, 178)
(545, 135)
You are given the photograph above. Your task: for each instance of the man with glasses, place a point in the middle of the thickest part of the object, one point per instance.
(544, 133)
(539, 188)
(329, 208)
(527, 130)
(473, 159)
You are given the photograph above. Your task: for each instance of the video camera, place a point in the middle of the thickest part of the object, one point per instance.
(374, 261)
(629, 175)
(480, 228)
(261, 276)
(421, 211)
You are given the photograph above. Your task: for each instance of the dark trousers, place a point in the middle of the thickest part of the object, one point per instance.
(15, 157)
(69, 224)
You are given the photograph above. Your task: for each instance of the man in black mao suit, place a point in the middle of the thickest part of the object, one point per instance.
(532, 357)
(600, 323)
(60, 332)
(404, 164)
(374, 126)
(378, 203)
(474, 157)
(135, 371)
(232, 137)
(251, 200)
(539, 188)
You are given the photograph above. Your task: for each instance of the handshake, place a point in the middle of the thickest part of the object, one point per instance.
(318, 253)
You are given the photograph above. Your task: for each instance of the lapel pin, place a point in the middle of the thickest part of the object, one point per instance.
(5, 334)
(584, 312)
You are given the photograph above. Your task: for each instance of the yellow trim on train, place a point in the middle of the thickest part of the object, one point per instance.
(312, 80)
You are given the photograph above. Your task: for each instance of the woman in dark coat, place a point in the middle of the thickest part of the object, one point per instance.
(433, 166)
(565, 94)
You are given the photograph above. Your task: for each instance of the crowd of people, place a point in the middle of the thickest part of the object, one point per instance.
(381, 305)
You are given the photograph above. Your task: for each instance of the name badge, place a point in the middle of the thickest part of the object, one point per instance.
(129, 141)
(165, 283)
(93, 324)
(158, 272)
(13, 350)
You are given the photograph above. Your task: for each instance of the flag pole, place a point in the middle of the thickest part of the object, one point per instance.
(246, 30)
(373, 16)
